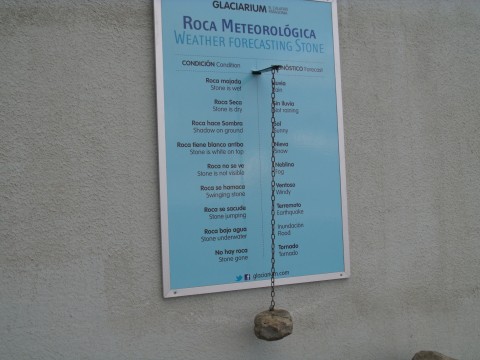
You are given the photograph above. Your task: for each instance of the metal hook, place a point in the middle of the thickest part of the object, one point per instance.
(273, 67)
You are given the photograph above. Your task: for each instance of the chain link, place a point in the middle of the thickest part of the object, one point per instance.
(272, 279)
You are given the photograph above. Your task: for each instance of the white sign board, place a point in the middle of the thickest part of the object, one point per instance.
(214, 125)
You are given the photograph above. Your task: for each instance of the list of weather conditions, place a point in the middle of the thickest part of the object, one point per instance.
(215, 144)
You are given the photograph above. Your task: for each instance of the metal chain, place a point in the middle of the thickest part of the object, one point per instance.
(272, 279)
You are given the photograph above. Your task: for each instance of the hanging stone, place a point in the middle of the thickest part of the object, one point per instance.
(273, 325)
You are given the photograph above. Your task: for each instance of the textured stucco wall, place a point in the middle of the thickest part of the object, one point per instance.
(79, 215)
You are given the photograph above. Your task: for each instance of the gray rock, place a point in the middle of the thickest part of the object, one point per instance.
(430, 355)
(273, 325)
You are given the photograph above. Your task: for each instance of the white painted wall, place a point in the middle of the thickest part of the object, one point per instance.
(79, 215)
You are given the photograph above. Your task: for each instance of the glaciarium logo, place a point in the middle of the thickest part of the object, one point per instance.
(232, 5)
